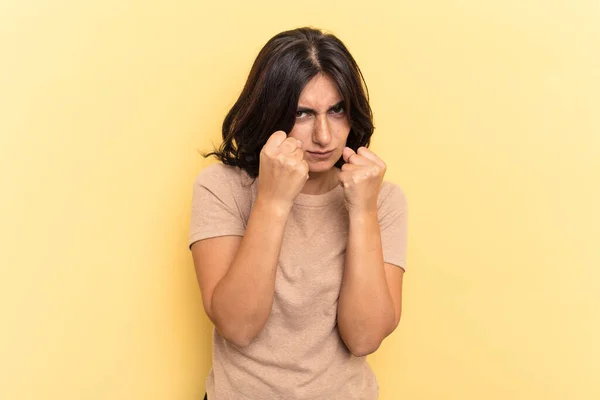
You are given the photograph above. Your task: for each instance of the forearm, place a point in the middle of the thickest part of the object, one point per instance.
(242, 300)
(365, 307)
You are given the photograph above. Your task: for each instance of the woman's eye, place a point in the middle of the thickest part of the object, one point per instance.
(337, 110)
(300, 114)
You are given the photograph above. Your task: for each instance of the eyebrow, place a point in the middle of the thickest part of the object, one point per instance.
(310, 110)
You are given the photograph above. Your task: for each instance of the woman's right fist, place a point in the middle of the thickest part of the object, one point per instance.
(282, 171)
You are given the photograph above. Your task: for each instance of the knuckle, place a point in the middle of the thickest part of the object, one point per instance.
(304, 168)
(289, 163)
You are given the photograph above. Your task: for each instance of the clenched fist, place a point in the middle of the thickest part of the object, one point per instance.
(282, 170)
(361, 179)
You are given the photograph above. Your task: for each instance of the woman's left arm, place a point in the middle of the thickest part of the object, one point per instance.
(370, 302)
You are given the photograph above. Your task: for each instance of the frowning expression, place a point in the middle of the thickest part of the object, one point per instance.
(321, 123)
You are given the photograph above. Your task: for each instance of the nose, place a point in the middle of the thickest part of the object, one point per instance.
(322, 132)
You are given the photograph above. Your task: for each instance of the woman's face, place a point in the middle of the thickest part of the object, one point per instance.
(321, 123)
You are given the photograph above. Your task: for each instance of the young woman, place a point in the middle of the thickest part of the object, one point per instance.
(299, 245)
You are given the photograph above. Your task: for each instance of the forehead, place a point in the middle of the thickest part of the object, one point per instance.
(320, 92)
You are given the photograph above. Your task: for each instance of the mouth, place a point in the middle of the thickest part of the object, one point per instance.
(320, 155)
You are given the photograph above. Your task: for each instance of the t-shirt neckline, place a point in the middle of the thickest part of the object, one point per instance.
(319, 199)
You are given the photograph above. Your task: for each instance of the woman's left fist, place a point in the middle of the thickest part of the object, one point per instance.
(361, 179)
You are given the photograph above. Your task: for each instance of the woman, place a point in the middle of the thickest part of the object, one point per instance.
(298, 244)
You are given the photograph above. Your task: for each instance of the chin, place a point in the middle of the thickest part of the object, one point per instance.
(321, 166)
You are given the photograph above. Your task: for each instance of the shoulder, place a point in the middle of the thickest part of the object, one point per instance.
(224, 175)
(228, 185)
(391, 195)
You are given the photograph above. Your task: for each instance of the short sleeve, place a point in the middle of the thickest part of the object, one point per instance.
(215, 204)
(393, 224)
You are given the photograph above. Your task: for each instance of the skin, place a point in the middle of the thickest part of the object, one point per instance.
(237, 274)
(321, 125)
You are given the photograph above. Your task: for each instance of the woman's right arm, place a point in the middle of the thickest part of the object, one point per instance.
(237, 274)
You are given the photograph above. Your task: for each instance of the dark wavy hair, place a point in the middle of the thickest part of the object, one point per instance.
(270, 96)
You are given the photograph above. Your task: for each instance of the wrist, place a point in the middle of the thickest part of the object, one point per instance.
(362, 212)
(272, 207)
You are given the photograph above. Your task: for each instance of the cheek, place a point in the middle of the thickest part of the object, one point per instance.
(341, 128)
(301, 130)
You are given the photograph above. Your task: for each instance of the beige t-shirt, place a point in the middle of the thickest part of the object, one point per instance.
(299, 353)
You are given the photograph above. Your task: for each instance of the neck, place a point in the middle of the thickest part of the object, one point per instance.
(321, 182)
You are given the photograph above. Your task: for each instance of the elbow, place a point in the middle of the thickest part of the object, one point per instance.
(239, 336)
(362, 345)
(363, 348)
(240, 331)
(368, 343)
(239, 342)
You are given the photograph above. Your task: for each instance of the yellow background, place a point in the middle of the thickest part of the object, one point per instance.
(487, 113)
